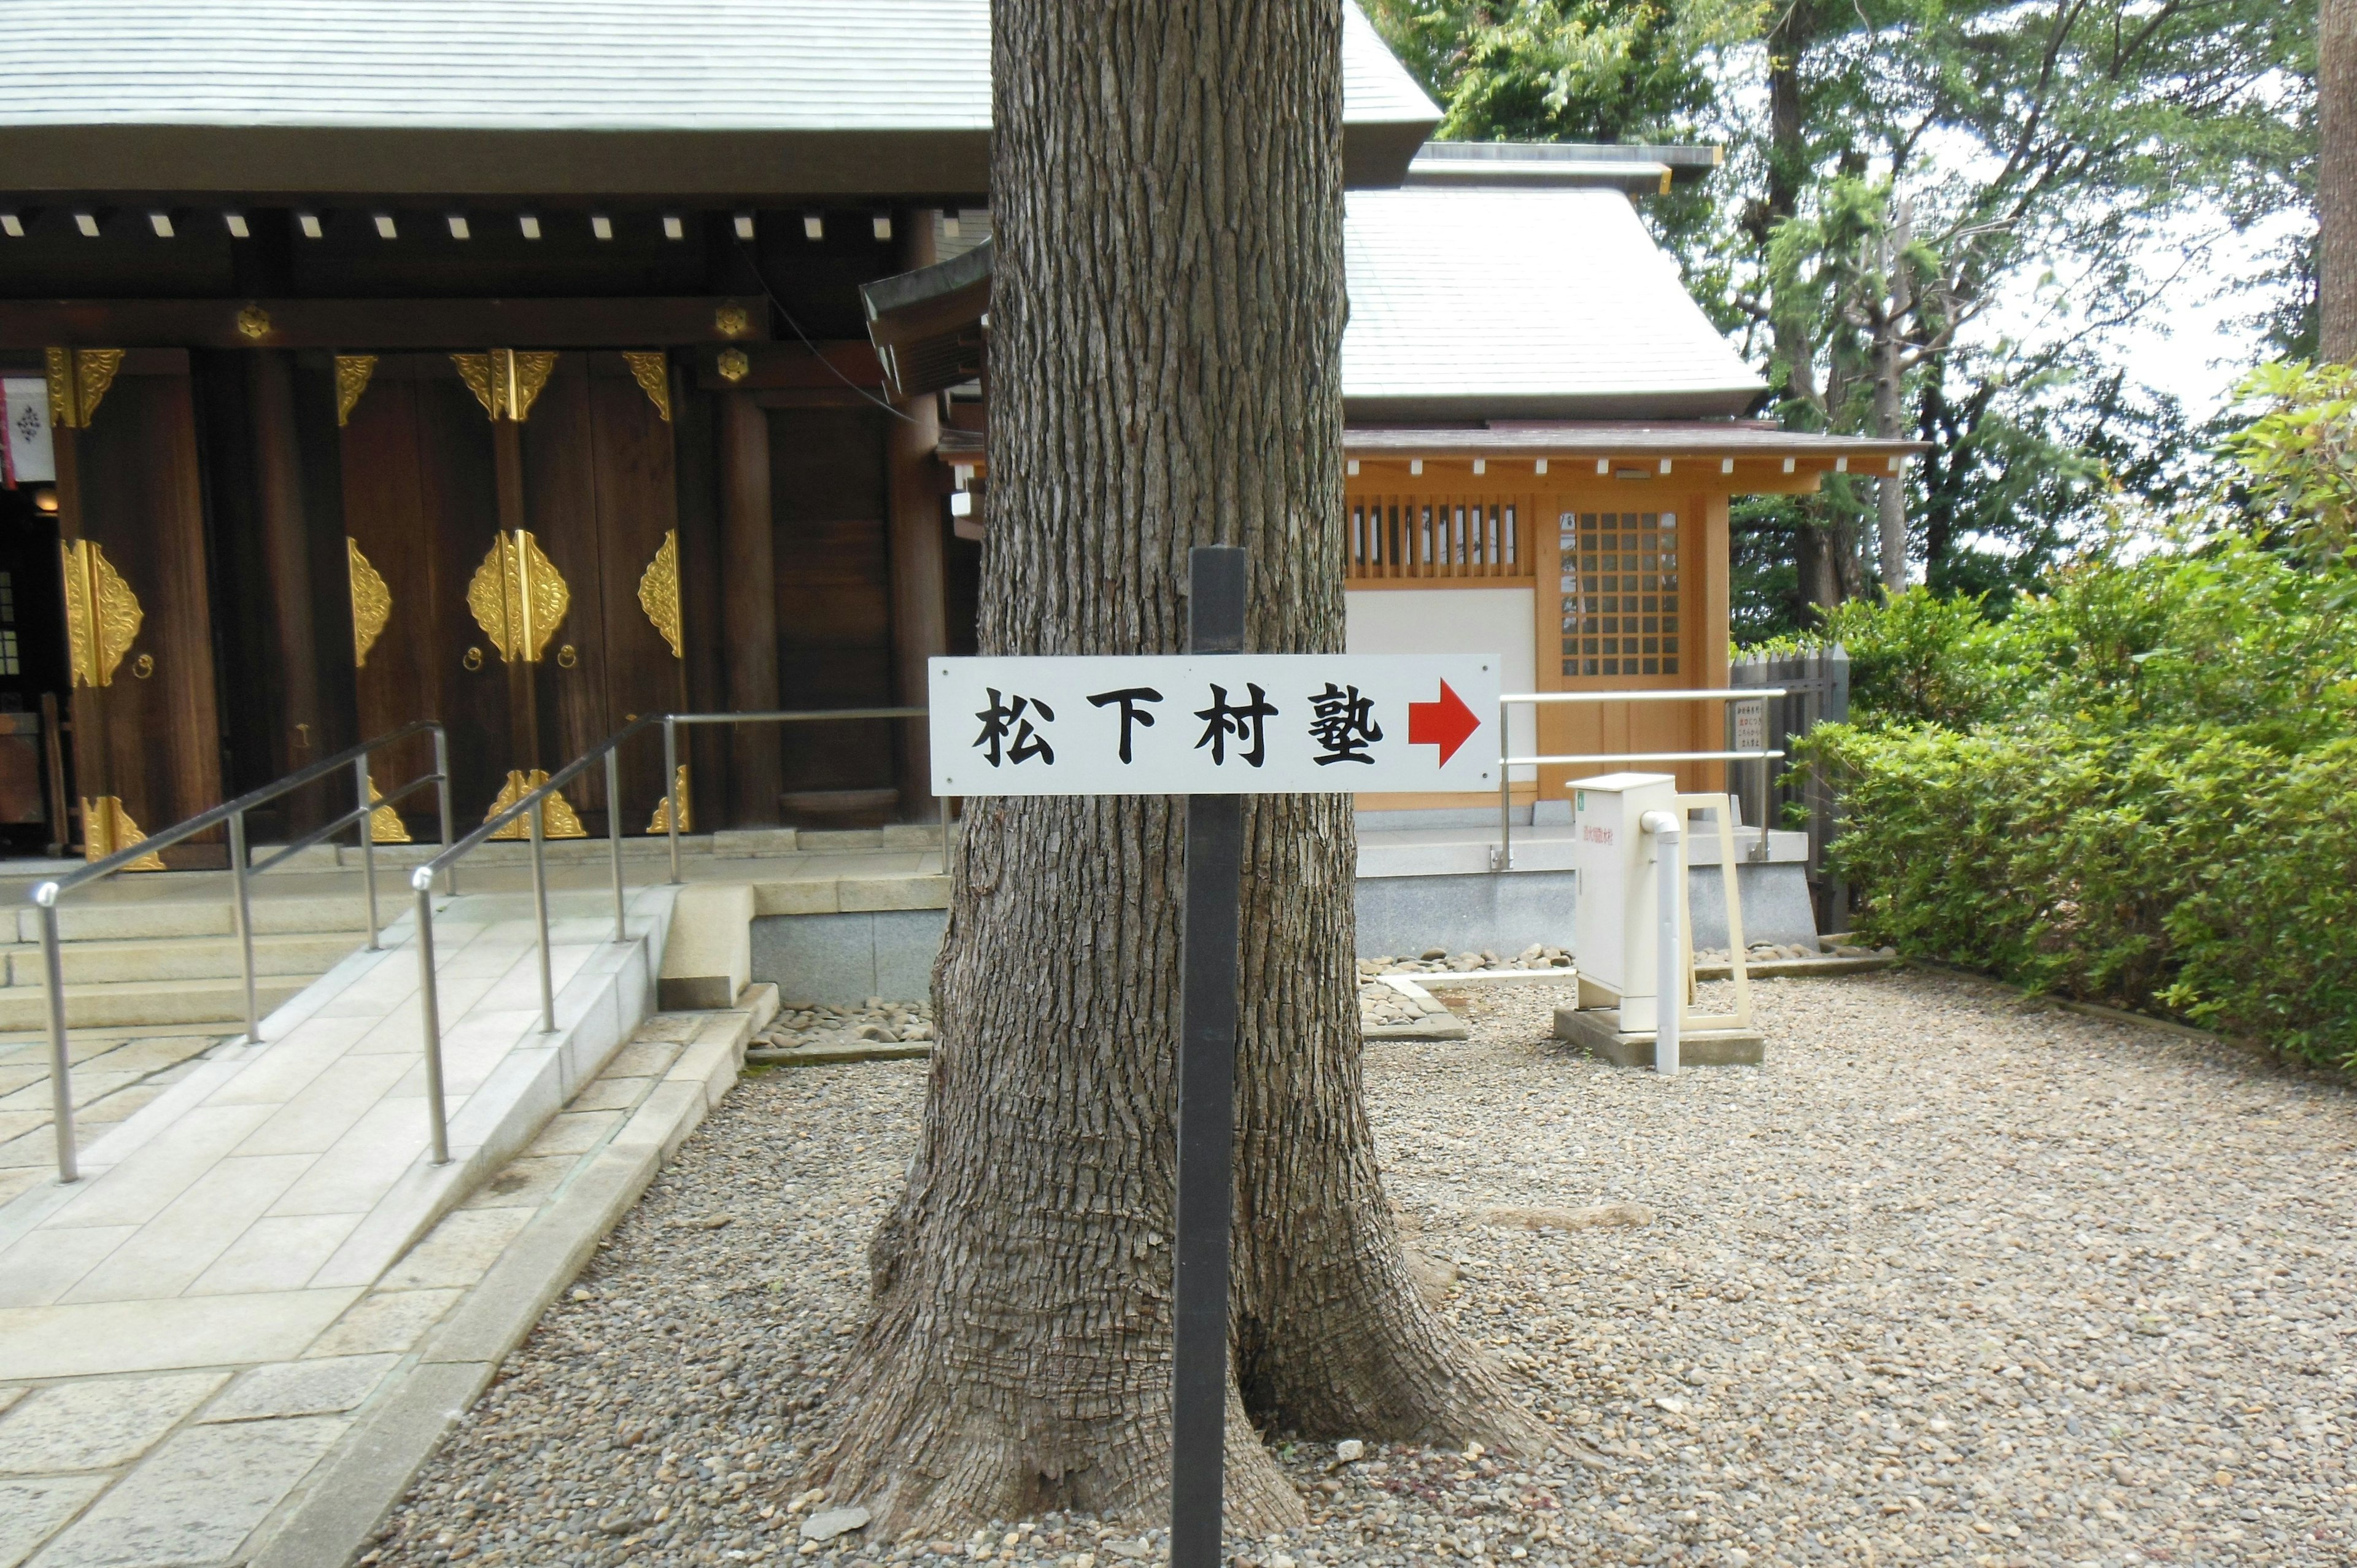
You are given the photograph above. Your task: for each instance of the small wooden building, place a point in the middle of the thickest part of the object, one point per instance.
(1542, 434)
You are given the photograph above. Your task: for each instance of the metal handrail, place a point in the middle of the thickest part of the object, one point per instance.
(45, 896)
(1502, 858)
(531, 806)
(805, 716)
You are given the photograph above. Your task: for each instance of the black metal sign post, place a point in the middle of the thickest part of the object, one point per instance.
(1207, 1111)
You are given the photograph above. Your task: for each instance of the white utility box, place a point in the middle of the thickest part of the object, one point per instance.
(1617, 915)
(1617, 926)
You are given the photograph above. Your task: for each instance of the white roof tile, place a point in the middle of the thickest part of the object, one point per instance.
(783, 64)
(1475, 304)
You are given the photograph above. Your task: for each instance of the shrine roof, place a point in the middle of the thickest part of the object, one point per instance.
(1501, 303)
(553, 97)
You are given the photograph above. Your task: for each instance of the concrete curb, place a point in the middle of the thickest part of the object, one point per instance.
(1797, 968)
(332, 1518)
(821, 1055)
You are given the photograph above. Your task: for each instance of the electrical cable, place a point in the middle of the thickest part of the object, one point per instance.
(780, 306)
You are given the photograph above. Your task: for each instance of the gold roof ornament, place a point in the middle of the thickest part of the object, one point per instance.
(733, 365)
(253, 323)
(518, 598)
(506, 382)
(731, 320)
(659, 592)
(372, 603)
(103, 615)
(651, 370)
(77, 379)
(352, 372)
(660, 822)
(558, 818)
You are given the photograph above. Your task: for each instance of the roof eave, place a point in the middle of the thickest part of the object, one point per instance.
(940, 164)
(1632, 402)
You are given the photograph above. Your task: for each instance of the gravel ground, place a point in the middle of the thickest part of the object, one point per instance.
(1953, 1279)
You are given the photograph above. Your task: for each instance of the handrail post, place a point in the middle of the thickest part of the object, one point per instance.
(442, 787)
(237, 859)
(670, 789)
(368, 845)
(1505, 795)
(540, 909)
(614, 831)
(60, 1060)
(436, 1115)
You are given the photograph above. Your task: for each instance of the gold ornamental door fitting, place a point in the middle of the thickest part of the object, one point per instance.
(518, 598)
(659, 592)
(77, 379)
(558, 818)
(506, 382)
(103, 615)
(660, 822)
(107, 828)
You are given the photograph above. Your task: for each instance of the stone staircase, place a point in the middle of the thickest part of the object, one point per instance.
(139, 962)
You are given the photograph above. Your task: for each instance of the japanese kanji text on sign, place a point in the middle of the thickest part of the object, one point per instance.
(1238, 724)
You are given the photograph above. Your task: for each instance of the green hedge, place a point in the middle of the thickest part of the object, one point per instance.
(2140, 784)
(2179, 868)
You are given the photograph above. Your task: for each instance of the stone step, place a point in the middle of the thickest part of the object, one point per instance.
(183, 957)
(143, 1003)
(146, 919)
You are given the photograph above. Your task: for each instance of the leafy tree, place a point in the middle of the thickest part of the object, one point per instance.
(2299, 456)
(1900, 169)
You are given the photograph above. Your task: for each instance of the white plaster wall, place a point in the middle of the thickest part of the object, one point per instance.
(1499, 621)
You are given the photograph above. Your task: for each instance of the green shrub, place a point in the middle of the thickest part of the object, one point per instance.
(2139, 786)
(2175, 866)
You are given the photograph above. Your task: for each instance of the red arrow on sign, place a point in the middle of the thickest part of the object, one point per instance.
(1446, 724)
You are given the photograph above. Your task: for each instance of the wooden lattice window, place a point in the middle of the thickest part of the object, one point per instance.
(1619, 593)
(1403, 536)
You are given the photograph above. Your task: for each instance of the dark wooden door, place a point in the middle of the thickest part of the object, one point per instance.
(421, 507)
(438, 497)
(131, 516)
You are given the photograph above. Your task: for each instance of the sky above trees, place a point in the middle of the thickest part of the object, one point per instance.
(2035, 216)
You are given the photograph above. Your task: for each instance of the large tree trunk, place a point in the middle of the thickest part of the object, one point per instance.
(1166, 323)
(2336, 180)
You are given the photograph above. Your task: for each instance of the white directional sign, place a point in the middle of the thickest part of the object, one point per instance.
(1243, 723)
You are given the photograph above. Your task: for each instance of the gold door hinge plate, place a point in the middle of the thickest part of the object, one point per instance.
(661, 823)
(371, 602)
(107, 829)
(103, 615)
(651, 370)
(386, 825)
(506, 382)
(77, 379)
(659, 592)
(558, 818)
(352, 372)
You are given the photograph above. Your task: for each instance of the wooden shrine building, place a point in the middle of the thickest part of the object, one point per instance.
(507, 364)
(1542, 436)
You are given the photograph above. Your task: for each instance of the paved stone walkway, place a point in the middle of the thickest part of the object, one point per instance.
(292, 1460)
(116, 1072)
(204, 1278)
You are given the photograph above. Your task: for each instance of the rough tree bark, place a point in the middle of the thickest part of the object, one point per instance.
(2336, 180)
(1166, 326)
